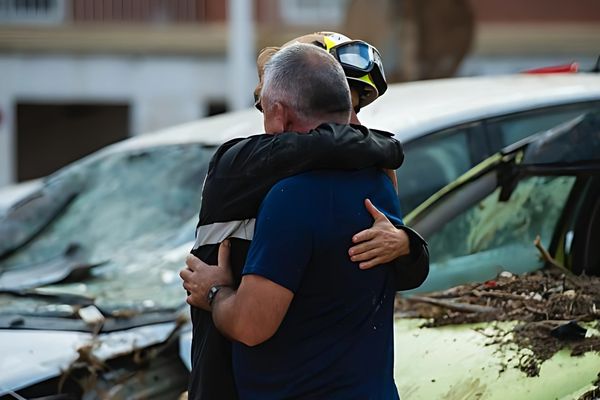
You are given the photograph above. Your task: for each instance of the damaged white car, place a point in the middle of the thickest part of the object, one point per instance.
(91, 305)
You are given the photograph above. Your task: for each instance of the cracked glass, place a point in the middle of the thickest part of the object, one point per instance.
(125, 231)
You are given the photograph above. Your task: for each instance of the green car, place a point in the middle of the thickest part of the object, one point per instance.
(482, 229)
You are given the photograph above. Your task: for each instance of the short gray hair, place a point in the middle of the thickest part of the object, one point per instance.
(310, 81)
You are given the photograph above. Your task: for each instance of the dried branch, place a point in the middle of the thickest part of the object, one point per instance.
(546, 255)
(453, 305)
(500, 295)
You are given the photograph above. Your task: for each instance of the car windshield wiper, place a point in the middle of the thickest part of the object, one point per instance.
(69, 266)
(72, 319)
(110, 324)
(71, 299)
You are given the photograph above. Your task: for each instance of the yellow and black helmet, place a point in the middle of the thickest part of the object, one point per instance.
(361, 63)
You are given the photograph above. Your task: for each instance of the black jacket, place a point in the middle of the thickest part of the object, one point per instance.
(240, 174)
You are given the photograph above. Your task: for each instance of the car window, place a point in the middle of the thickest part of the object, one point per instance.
(493, 236)
(131, 210)
(516, 127)
(431, 163)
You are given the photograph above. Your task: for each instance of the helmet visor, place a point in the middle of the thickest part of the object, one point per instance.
(362, 61)
(357, 57)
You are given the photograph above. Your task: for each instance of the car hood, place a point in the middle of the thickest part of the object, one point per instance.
(461, 362)
(29, 357)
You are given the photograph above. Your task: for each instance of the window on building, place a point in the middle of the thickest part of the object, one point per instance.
(313, 12)
(215, 107)
(50, 136)
(32, 12)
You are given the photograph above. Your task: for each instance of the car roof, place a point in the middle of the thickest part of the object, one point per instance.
(409, 110)
(416, 108)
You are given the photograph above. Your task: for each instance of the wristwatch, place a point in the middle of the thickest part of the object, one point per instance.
(212, 293)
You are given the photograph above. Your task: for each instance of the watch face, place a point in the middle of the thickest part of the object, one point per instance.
(212, 293)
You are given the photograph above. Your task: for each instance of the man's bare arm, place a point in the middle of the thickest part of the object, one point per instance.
(253, 313)
(250, 315)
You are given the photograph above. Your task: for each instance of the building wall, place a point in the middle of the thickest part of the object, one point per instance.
(545, 11)
(165, 60)
(161, 91)
(148, 11)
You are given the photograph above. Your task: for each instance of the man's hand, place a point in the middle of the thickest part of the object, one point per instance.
(199, 277)
(381, 243)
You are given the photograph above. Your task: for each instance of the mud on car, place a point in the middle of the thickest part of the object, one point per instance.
(90, 301)
(524, 228)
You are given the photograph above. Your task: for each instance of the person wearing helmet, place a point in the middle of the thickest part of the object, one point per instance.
(361, 63)
(240, 174)
(364, 71)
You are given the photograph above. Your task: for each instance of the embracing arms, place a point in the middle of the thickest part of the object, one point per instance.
(243, 171)
(251, 314)
(384, 242)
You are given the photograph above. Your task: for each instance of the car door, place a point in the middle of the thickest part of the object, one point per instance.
(490, 235)
(577, 242)
(434, 160)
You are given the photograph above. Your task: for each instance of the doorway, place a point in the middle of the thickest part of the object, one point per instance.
(52, 135)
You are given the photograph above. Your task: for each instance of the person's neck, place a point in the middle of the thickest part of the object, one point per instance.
(302, 127)
(305, 127)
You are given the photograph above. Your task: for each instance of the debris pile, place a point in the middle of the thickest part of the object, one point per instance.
(550, 305)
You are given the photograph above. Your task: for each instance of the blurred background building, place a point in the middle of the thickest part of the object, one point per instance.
(76, 75)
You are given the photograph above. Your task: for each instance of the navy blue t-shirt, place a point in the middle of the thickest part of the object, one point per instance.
(336, 340)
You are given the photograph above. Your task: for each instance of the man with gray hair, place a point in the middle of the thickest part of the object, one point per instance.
(306, 321)
(294, 79)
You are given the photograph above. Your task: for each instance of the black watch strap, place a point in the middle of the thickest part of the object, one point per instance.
(212, 293)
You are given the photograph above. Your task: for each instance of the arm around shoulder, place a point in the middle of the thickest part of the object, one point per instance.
(329, 146)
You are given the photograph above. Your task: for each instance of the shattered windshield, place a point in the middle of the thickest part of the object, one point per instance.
(120, 239)
(494, 236)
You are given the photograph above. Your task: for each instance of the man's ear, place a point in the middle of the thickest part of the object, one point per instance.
(280, 116)
(293, 122)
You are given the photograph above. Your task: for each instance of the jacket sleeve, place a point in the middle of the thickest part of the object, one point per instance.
(412, 269)
(331, 146)
(242, 171)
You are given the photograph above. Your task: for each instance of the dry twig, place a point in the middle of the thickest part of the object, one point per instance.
(546, 255)
(453, 305)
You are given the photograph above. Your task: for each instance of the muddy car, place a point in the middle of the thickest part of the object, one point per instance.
(524, 228)
(90, 301)
(91, 304)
